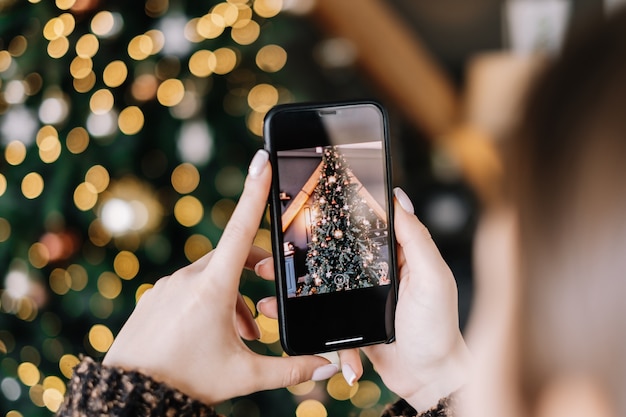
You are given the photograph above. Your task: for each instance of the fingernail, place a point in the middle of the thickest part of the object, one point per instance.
(324, 372)
(348, 374)
(260, 264)
(258, 163)
(404, 200)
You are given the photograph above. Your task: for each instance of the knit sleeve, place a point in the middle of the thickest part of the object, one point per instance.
(445, 408)
(98, 390)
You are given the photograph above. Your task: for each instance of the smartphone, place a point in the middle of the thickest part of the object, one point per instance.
(332, 225)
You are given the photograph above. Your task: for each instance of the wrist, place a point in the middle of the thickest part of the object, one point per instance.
(448, 376)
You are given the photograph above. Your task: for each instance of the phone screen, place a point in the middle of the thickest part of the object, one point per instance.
(333, 245)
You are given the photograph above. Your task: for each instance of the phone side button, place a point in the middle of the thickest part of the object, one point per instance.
(349, 340)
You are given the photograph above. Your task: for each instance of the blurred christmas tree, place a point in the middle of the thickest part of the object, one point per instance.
(341, 254)
(126, 128)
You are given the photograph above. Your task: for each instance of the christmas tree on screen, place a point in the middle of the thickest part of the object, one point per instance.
(341, 254)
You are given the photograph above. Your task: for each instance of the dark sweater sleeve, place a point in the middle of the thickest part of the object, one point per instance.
(98, 390)
(445, 408)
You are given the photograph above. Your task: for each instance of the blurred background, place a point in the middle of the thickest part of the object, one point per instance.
(126, 128)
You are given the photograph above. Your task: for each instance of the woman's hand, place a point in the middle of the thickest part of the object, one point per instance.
(429, 358)
(186, 330)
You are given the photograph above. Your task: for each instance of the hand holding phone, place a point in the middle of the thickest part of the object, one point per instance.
(331, 213)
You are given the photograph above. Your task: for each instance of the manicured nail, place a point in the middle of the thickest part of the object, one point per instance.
(324, 372)
(348, 374)
(260, 264)
(258, 163)
(404, 200)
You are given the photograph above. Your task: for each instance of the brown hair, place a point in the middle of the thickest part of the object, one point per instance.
(567, 173)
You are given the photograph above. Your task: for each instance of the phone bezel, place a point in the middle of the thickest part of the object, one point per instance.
(377, 301)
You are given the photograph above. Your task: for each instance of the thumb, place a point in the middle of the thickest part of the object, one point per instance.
(293, 370)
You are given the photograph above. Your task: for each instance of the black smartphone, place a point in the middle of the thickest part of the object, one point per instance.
(332, 225)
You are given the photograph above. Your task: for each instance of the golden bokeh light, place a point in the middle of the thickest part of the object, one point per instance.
(196, 246)
(15, 152)
(3, 187)
(69, 23)
(225, 60)
(18, 46)
(311, 408)
(268, 328)
(199, 63)
(303, 388)
(130, 120)
(263, 239)
(87, 46)
(115, 74)
(244, 15)
(85, 85)
(98, 235)
(32, 185)
(5, 60)
(101, 101)
(52, 399)
(185, 178)
(158, 40)
(267, 8)
(54, 382)
(367, 395)
(35, 393)
(5, 229)
(254, 122)
(99, 177)
(67, 364)
(102, 23)
(227, 11)
(78, 277)
(262, 97)
(142, 290)
(271, 58)
(100, 337)
(65, 4)
(85, 196)
(191, 31)
(77, 140)
(81, 67)
(246, 34)
(34, 82)
(126, 265)
(339, 389)
(171, 92)
(188, 211)
(49, 149)
(58, 47)
(38, 255)
(210, 26)
(54, 29)
(221, 212)
(44, 132)
(60, 281)
(109, 285)
(156, 8)
(28, 374)
(140, 47)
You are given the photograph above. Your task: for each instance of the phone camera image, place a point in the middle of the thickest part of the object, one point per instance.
(331, 211)
(336, 239)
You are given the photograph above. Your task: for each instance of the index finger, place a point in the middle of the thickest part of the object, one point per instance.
(234, 246)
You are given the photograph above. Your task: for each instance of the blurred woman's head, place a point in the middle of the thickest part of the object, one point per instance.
(567, 166)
